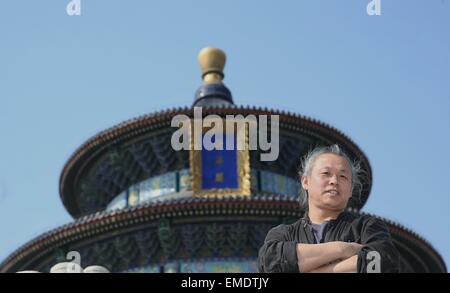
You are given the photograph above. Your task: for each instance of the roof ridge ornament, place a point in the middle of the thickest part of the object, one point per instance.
(212, 62)
(213, 93)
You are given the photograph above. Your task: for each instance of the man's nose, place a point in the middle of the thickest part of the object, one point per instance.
(333, 179)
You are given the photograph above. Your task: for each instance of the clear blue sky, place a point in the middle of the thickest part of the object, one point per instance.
(383, 80)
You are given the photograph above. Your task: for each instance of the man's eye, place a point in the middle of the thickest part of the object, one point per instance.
(342, 176)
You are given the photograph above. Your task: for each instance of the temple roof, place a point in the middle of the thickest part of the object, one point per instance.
(140, 148)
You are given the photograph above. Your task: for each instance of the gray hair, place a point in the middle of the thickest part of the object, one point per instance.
(307, 164)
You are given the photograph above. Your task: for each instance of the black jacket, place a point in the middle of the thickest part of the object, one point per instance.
(278, 253)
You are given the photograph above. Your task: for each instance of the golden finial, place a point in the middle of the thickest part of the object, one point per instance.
(212, 62)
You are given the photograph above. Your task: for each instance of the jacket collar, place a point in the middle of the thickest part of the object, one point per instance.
(342, 216)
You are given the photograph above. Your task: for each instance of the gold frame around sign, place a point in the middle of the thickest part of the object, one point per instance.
(243, 166)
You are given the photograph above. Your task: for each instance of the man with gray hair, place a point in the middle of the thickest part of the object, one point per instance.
(328, 238)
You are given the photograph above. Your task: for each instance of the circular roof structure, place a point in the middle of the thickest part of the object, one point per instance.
(140, 148)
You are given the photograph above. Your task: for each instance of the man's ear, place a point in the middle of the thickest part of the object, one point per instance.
(305, 182)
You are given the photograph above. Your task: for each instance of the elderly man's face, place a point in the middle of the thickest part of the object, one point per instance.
(330, 183)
